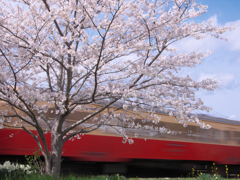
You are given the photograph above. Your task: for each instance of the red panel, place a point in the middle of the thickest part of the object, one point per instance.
(111, 149)
(18, 142)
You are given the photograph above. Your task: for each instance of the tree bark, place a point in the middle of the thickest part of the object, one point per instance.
(53, 165)
(48, 167)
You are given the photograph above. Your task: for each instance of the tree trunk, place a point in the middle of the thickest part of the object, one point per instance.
(53, 165)
(48, 167)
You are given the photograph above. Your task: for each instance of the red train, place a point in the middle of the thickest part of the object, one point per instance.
(151, 154)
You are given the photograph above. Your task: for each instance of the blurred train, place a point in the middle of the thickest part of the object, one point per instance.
(152, 154)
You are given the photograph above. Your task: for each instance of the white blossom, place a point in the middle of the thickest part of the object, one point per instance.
(93, 56)
(12, 167)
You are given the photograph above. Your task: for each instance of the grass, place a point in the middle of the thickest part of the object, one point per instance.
(13, 176)
(15, 171)
(76, 177)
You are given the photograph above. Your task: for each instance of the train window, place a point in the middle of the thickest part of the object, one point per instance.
(226, 136)
(191, 133)
(236, 137)
(170, 136)
(188, 133)
(205, 135)
(183, 133)
(216, 136)
(169, 126)
(179, 131)
(160, 135)
(174, 131)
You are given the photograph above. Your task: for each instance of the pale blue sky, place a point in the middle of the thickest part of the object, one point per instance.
(226, 10)
(223, 65)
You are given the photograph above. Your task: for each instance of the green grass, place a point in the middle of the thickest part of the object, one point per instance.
(74, 177)
(17, 176)
(12, 176)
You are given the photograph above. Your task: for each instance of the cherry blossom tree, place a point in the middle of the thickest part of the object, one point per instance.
(67, 55)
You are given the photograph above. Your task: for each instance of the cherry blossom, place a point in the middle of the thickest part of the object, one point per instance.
(63, 56)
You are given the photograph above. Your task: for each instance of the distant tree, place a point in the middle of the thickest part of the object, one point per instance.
(66, 55)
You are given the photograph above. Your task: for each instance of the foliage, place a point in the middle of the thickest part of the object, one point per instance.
(35, 161)
(204, 176)
(114, 177)
(14, 171)
(36, 176)
(61, 56)
(216, 176)
(227, 171)
(193, 172)
(214, 169)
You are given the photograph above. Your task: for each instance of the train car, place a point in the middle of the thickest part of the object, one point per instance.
(152, 154)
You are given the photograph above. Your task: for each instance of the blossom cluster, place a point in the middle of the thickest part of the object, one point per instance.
(12, 167)
(111, 59)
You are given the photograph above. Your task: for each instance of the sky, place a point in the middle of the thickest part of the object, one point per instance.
(224, 62)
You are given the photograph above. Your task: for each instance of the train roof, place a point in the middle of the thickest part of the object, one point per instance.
(217, 119)
(200, 116)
